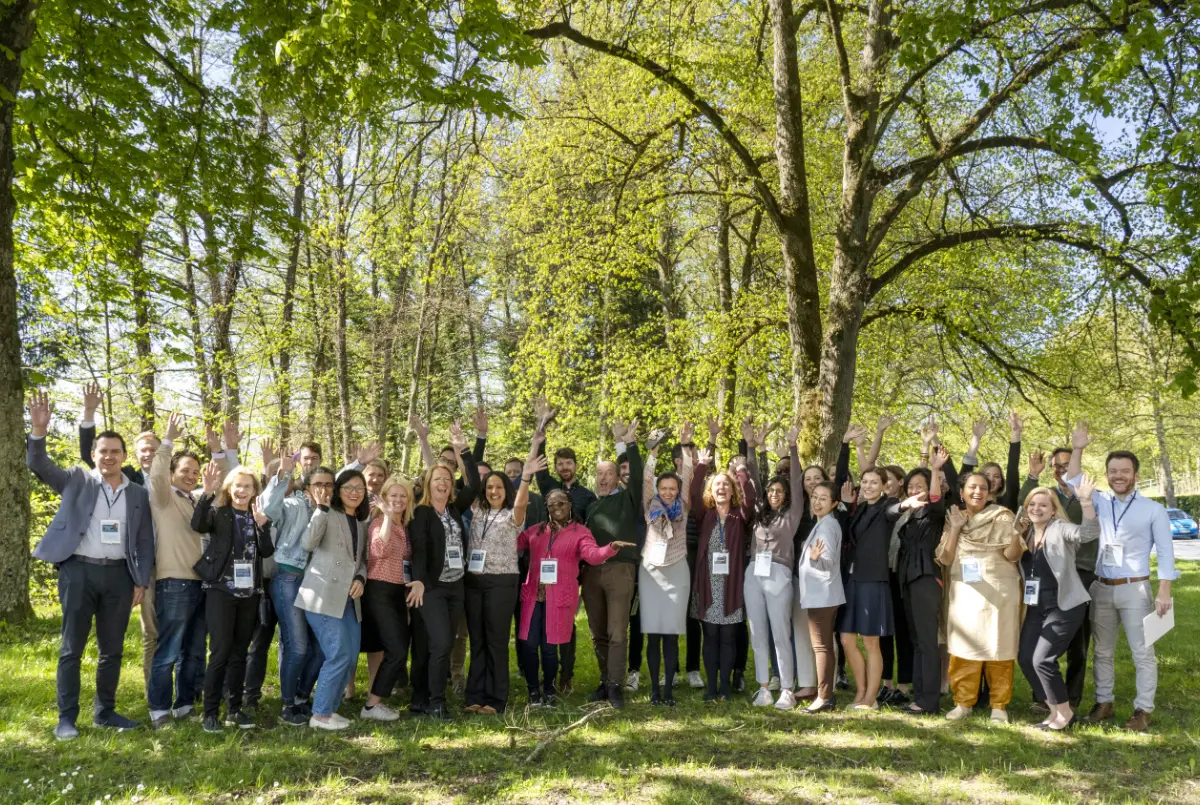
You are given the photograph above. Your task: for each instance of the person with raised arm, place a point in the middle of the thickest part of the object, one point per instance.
(821, 591)
(1002, 485)
(768, 586)
(1055, 599)
(101, 540)
(664, 583)
(1131, 525)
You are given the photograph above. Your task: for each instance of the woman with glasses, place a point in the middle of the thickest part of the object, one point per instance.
(333, 583)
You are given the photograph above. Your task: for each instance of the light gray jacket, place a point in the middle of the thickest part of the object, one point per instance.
(1062, 539)
(333, 565)
(820, 582)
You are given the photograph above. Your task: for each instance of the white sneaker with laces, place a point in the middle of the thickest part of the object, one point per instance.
(380, 712)
(773, 685)
(763, 698)
(787, 701)
(335, 722)
(633, 680)
(958, 713)
(694, 679)
(1000, 716)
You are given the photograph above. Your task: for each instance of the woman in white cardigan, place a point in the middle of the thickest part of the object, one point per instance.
(819, 573)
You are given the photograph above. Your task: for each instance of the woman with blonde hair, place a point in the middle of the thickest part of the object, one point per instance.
(981, 549)
(1055, 598)
(385, 624)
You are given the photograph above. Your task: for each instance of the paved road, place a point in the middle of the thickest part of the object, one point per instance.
(1187, 549)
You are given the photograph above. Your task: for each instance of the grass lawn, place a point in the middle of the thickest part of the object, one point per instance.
(693, 753)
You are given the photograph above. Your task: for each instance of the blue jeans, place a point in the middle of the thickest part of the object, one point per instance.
(179, 610)
(299, 654)
(339, 639)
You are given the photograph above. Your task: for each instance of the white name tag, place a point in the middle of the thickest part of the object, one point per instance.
(762, 563)
(243, 575)
(1031, 591)
(454, 558)
(110, 532)
(476, 563)
(658, 553)
(407, 571)
(720, 563)
(1114, 555)
(971, 572)
(548, 571)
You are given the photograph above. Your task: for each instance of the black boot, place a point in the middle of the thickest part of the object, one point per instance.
(615, 697)
(600, 694)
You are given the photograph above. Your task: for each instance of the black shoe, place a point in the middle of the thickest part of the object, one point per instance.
(419, 709)
(710, 697)
(655, 699)
(1070, 725)
(293, 717)
(162, 722)
(739, 682)
(250, 708)
(439, 714)
(899, 699)
(884, 697)
(304, 708)
(115, 721)
(668, 700)
(239, 719)
(843, 682)
(212, 724)
(615, 697)
(600, 694)
(65, 731)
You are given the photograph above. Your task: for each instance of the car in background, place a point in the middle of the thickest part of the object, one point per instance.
(1182, 525)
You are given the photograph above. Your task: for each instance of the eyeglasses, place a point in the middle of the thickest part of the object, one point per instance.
(558, 503)
(355, 490)
(323, 485)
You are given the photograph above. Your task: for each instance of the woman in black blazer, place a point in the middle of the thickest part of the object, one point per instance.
(238, 539)
(439, 563)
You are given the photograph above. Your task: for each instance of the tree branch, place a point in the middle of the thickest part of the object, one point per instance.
(843, 60)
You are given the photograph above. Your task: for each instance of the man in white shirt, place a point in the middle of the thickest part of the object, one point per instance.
(1130, 526)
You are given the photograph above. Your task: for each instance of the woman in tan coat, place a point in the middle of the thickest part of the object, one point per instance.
(981, 549)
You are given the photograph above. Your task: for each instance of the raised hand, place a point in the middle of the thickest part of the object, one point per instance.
(212, 478)
(260, 516)
(92, 399)
(480, 421)
(458, 439)
(854, 433)
(618, 430)
(539, 437)
(233, 437)
(687, 432)
(174, 426)
(381, 503)
(419, 427)
(885, 422)
(748, 433)
(793, 434)
(979, 429)
(321, 495)
(929, 431)
(847, 492)
(533, 466)
(1037, 463)
(915, 502)
(631, 432)
(714, 428)
(816, 550)
(211, 439)
(287, 465)
(1086, 487)
(957, 518)
(1081, 437)
(706, 457)
(268, 453)
(368, 452)
(939, 458)
(1016, 426)
(39, 413)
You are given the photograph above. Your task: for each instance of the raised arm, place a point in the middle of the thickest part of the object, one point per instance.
(480, 421)
(796, 474)
(471, 486)
(92, 399)
(35, 448)
(158, 482)
(841, 472)
(687, 470)
(697, 485)
(1012, 475)
(881, 427)
(1081, 437)
(929, 434)
(648, 478)
(528, 469)
(422, 431)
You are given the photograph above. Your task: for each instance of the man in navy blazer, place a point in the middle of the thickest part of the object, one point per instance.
(102, 542)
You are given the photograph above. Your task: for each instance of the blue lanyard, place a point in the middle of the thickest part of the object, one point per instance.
(1117, 520)
(721, 533)
(112, 502)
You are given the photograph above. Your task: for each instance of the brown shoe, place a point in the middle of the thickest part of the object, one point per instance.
(1140, 721)
(1102, 711)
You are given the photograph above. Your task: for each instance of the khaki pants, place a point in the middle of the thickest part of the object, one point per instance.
(149, 633)
(964, 681)
(608, 596)
(1123, 607)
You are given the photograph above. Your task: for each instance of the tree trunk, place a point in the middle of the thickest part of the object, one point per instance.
(340, 280)
(462, 266)
(289, 290)
(16, 33)
(414, 380)
(727, 391)
(193, 309)
(139, 280)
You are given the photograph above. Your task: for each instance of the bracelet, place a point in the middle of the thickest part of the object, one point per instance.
(525, 480)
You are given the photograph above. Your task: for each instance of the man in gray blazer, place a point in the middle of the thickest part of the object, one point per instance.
(102, 542)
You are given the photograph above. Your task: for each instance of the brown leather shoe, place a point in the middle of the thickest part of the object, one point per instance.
(1140, 721)
(1102, 711)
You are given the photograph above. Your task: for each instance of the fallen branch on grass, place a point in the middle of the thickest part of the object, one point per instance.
(544, 743)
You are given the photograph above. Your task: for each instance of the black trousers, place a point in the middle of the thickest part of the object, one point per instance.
(636, 638)
(231, 623)
(1045, 635)
(720, 648)
(662, 646)
(897, 650)
(87, 591)
(433, 637)
(1077, 651)
(695, 632)
(260, 647)
(384, 603)
(489, 599)
(537, 650)
(922, 608)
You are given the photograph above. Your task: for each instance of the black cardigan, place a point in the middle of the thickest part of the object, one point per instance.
(426, 534)
(919, 537)
(870, 533)
(219, 524)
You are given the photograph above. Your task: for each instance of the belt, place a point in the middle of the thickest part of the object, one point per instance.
(1119, 582)
(88, 560)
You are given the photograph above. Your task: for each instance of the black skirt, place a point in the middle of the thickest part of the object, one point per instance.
(868, 609)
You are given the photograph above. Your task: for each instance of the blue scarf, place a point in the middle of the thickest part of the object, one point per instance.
(672, 512)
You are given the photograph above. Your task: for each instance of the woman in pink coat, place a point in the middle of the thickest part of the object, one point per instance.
(550, 594)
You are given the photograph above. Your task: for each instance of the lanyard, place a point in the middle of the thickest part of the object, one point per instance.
(1117, 520)
(721, 532)
(112, 502)
(487, 523)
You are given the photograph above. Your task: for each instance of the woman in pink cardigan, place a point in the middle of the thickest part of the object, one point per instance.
(550, 594)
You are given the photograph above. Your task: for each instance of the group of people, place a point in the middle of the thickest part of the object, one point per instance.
(918, 581)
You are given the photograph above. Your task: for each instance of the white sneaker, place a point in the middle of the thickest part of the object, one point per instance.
(787, 701)
(763, 698)
(633, 680)
(694, 679)
(183, 712)
(1000, 716)
(380, 712)
(335, 722)
(773, 685)
(958, 713)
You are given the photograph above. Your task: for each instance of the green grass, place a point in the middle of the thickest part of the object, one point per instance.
(694, 753)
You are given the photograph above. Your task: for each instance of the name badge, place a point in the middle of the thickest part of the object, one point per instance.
(971, 572)
(1114, 555)
(407, 571)
(762, 563)
(658, 553)
(110, 532)
(548, 571)
(476, 563)
(454, 558)
(720, 563)
(243, 575)
(1031, 591)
